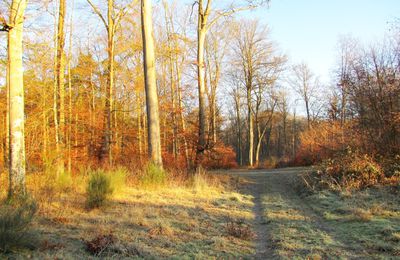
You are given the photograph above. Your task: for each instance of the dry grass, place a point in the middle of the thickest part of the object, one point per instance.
(332, 225)
(177, 220)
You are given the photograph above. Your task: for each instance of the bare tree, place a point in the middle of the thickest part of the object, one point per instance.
(204, 23)
(306, 84)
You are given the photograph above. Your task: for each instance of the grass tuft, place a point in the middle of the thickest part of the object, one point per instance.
(15, 220)
(153, 176)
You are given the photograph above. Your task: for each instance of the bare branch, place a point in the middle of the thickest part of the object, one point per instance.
(123, 12)
(97, 11)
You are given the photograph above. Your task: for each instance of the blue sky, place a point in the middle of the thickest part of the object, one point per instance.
(308, 30)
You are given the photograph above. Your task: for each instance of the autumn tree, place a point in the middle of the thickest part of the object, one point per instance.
(111, 23)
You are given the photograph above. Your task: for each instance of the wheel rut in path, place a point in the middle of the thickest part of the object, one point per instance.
(255, 186)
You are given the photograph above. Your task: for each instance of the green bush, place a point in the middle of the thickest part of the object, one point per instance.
(15, 220)
(153, 175)
(98, 189)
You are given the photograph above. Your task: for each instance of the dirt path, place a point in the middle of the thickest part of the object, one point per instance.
(292, 224)
(262, 184)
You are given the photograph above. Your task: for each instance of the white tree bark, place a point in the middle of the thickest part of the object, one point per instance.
(16, 104)
(153, 117)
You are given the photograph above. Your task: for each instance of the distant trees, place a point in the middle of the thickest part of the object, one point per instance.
(275, 113)
(306, 84)
(369, 81)
(111, 23)
(260, 66)
(204, 23)
(363, 111)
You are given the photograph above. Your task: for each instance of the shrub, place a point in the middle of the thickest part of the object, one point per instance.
(350, 170)
(270, 163)
(15, 220)
(220, 157)
(98, 189)
(153, 175)
(391, 166)
(99, 244)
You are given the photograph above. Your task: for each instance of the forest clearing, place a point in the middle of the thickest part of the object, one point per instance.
(199, 129)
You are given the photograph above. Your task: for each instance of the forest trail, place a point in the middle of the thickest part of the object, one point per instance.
(268, 186)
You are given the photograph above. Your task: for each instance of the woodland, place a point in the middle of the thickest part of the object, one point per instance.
(173, 129)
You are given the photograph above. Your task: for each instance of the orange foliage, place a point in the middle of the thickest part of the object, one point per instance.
(323, 140)
(220, 157)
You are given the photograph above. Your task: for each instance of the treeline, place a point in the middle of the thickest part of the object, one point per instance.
(227, 95)
(357, 114)
(86, 98)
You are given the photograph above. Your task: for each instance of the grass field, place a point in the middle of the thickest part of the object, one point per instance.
(239, 214)
(331, 225)
(199, 221)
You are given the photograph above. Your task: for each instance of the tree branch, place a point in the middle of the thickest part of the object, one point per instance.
(97, 11)
(122, 13)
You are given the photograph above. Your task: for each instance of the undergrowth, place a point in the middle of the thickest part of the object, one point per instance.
(98, 189)
(349, 171)
(15, 224)
(153, 176)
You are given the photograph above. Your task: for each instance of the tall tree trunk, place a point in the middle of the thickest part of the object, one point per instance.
(251, 127)
(60, 78)
(70, 92)
(140, 129)
(44, 120)
(16, 108)
(181, 117)
(7, 154)
(201, 77)
(171, 58)
(153, 117)
(239, 128)
(107, 135)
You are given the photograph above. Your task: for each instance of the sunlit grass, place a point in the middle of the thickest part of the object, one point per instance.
(329, 225)
(173, 220)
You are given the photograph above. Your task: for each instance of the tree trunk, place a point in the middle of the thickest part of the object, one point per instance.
(238, 125)
(201, 145)
(171, 58)
(107, 135)
(7, 154)
(202, 21)
(251, 127)
(153, 117)
(16, 109)
(60, 67)
(181, 117)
